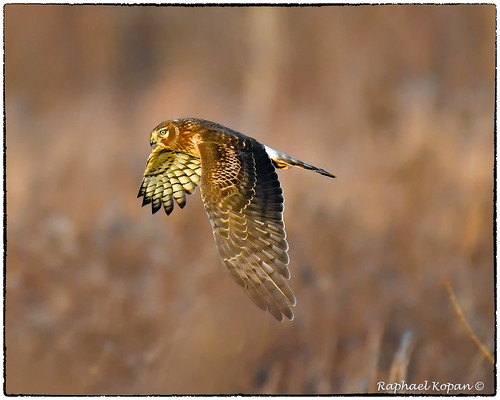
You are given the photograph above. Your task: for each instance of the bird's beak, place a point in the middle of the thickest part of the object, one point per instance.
(152, 141)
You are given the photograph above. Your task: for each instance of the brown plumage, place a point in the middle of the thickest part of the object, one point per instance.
(242, 197)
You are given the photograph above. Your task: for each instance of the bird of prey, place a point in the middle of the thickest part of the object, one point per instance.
(242, 197)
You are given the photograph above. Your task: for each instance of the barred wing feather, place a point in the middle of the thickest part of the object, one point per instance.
(169, 176)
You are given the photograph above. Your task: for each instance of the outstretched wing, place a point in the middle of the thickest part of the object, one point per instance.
(169, 176)
(244, 201)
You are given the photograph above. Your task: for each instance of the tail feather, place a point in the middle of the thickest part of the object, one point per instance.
(284, 161)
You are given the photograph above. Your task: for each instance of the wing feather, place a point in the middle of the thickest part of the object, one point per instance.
(168, 178)
(244, 201)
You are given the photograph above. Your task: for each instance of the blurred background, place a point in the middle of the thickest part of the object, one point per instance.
(102, 297)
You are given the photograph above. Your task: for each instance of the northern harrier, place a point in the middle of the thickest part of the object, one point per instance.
(242, 197)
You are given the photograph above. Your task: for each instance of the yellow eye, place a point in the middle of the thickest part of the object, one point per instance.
(163, 132)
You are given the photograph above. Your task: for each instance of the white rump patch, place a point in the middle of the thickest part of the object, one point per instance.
(273, 154)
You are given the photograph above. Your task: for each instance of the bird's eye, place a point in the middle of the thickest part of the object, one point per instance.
(163, 132)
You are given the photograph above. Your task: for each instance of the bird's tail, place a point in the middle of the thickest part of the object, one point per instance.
(284, 161)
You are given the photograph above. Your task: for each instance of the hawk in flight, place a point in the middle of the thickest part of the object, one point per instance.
(242, 197)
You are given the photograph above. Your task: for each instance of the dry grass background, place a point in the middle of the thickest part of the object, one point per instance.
(104, 298)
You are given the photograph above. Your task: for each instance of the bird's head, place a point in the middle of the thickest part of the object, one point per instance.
(162, 135)
(176, 135)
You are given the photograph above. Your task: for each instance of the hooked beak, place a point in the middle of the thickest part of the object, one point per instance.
(152, 141)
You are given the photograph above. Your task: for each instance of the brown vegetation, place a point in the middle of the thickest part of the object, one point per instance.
(104, 298)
